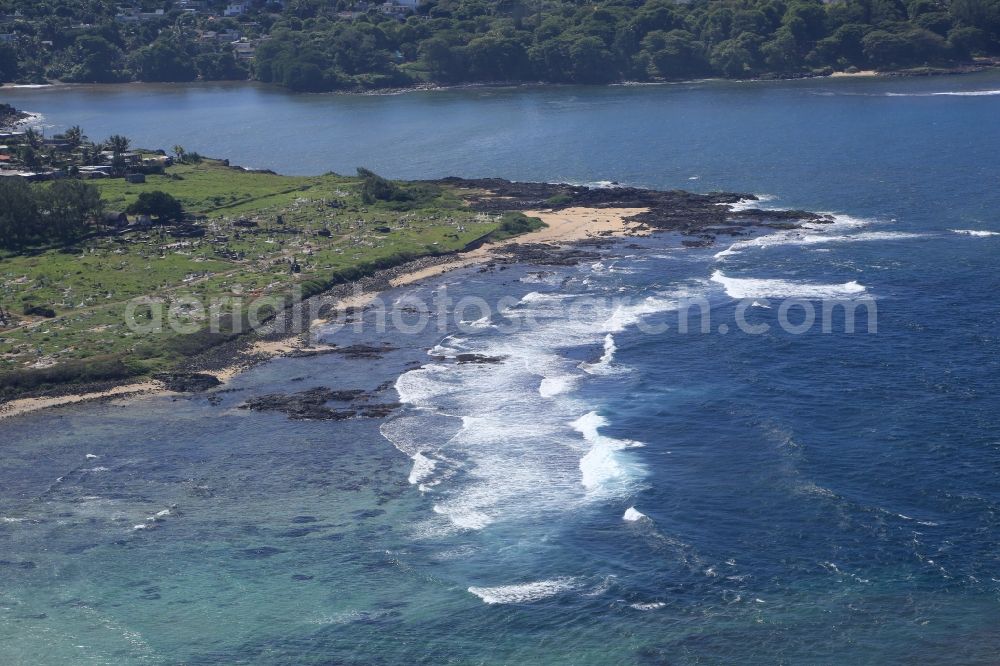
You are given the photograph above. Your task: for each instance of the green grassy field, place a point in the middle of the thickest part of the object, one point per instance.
(256, 225)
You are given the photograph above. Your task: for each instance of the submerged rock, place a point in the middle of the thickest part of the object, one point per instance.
(312, 404)
(259, 553)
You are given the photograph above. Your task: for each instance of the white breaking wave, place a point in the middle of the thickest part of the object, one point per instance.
(495, 441)
(648, 606)
(744, 204)
(525, 592)
(603, 364)
(609, 349)
(484, 322)
(602, 463)
(975, 232)
(632, 515)
(948, 93)
(819, 233)
(803, 238)
(441, 350)
(535, 296)
(740, 288)
(553, 386)
(542, 277)
(422, 468)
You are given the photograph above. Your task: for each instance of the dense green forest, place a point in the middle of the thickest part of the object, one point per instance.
(319, 45)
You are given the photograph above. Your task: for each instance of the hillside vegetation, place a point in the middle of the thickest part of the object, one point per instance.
(318, 45)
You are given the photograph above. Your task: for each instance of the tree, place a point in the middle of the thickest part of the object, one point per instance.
(445, 62)
(376, 188)
(33, 138)
(888, 50)
(117, 144)
(731, 59)
(163, 60)
(967, 41)
(179, 152)
(219, 67)
(9, 70)
(592, 62)
(28, 156)
(496, 57)
(74, 136)
(164, 207)
(19, 218)
(66, 206)
(982, 14)
(675, 54)
(781, 54)
(97, 60)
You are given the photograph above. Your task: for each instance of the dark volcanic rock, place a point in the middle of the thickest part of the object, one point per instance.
(478, 358)
(548, 255)
(187, 382)
(308, 353)
(363, 351)
(380, 410)
(782, 215)
(312, 404)
(674, 210)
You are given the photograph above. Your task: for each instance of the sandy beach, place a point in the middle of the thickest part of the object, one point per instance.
(860, 73)
(564, 226)
(26, 405)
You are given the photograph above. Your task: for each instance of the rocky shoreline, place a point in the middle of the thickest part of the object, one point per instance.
(10, 117)
(700, 218)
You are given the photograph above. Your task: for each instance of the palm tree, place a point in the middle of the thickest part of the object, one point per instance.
(91, 154)
(179, 152)
(118, 144)
(33, 138)
(74, 135)
(28, 157)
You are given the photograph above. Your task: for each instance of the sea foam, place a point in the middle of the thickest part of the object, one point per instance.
(740, 288)
(947, 93)
(524, 592)
(632, 515)
(502, 442)
(553, 386)
(975, 232)
(602, 463)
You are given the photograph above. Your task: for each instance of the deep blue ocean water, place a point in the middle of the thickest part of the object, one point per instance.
(606, 494)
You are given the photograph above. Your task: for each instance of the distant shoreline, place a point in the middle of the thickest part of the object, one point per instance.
(972, 68)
